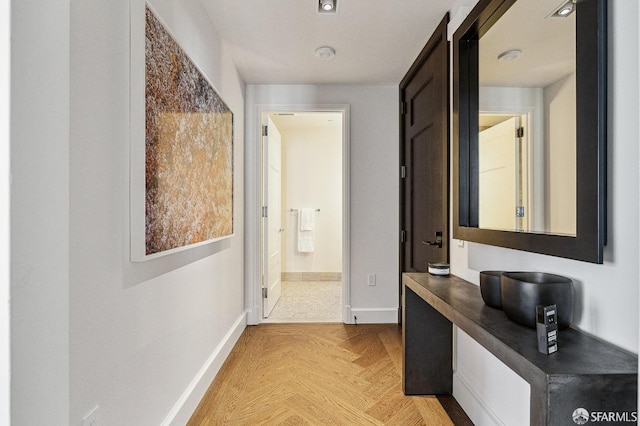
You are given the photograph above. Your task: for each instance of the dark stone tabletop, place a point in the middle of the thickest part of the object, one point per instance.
(578, 353)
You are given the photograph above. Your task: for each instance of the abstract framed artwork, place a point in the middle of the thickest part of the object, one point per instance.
(181, 149)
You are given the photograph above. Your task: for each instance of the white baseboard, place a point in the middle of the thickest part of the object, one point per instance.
(311, 276)
(473, 404)
(254, 316)
(374, 315)
(347, 318)
(191, 397)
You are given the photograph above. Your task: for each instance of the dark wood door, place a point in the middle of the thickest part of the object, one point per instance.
(424, 157)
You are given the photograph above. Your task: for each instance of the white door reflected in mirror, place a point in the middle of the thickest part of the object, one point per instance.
(501, 184)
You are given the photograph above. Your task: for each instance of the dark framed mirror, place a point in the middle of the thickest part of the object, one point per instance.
(527, 119)
(529, 126)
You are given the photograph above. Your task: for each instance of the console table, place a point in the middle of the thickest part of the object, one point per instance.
(584, 373)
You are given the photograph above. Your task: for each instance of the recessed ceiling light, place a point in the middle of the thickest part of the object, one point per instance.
(325, 53)
(327, 6)
(510, 55)
(564, 10)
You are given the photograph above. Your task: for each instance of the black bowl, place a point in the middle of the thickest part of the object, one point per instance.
(490, 288)
(523, 291)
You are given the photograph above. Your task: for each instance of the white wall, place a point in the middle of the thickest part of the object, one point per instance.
(312, 178)
(5, 100)
(40, 262)
(374, 190)
(89, 327)
(607, 294)
(560, 144)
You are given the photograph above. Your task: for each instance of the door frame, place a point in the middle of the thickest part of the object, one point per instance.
(439, 36)
(254, 296)
(5, 212)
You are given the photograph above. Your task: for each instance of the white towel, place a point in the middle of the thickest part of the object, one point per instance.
(307, 219)
(306, 225)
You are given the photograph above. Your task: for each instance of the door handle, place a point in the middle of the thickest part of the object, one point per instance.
(281, 230)
(437, 242)
(433, 243)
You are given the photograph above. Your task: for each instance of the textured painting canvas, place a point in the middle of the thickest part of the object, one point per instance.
(188, 149)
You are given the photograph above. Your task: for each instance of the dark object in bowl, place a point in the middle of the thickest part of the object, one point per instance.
(523, 291)
(490, 288)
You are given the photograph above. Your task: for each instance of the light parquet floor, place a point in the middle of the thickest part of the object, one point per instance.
(315, 374)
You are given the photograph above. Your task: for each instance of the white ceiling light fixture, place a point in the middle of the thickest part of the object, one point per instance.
(325, 53)
(327, 6)
(509, 55)
(565, 9)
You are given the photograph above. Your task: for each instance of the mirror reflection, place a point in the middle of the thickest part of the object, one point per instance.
(527, 122)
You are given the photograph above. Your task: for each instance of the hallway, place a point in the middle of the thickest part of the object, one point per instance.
(316, 374)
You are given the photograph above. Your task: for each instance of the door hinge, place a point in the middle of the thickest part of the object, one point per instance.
(265, 130)
(520, 132)
(403, 172)
(403, 236)
(520, 211)
(265, 292)
(264, 211)
(403, 108)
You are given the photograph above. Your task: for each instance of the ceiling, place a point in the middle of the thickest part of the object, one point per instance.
(376, 41)
(547, 44)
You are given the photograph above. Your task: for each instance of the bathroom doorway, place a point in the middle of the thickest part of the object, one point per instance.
(303, 217)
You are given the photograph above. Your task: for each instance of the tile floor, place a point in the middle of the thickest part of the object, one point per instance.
(309, 301)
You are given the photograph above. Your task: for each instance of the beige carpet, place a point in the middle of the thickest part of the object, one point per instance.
(309, 301)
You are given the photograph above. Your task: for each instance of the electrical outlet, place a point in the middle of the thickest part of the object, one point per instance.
(371, 279)
(93, 418)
